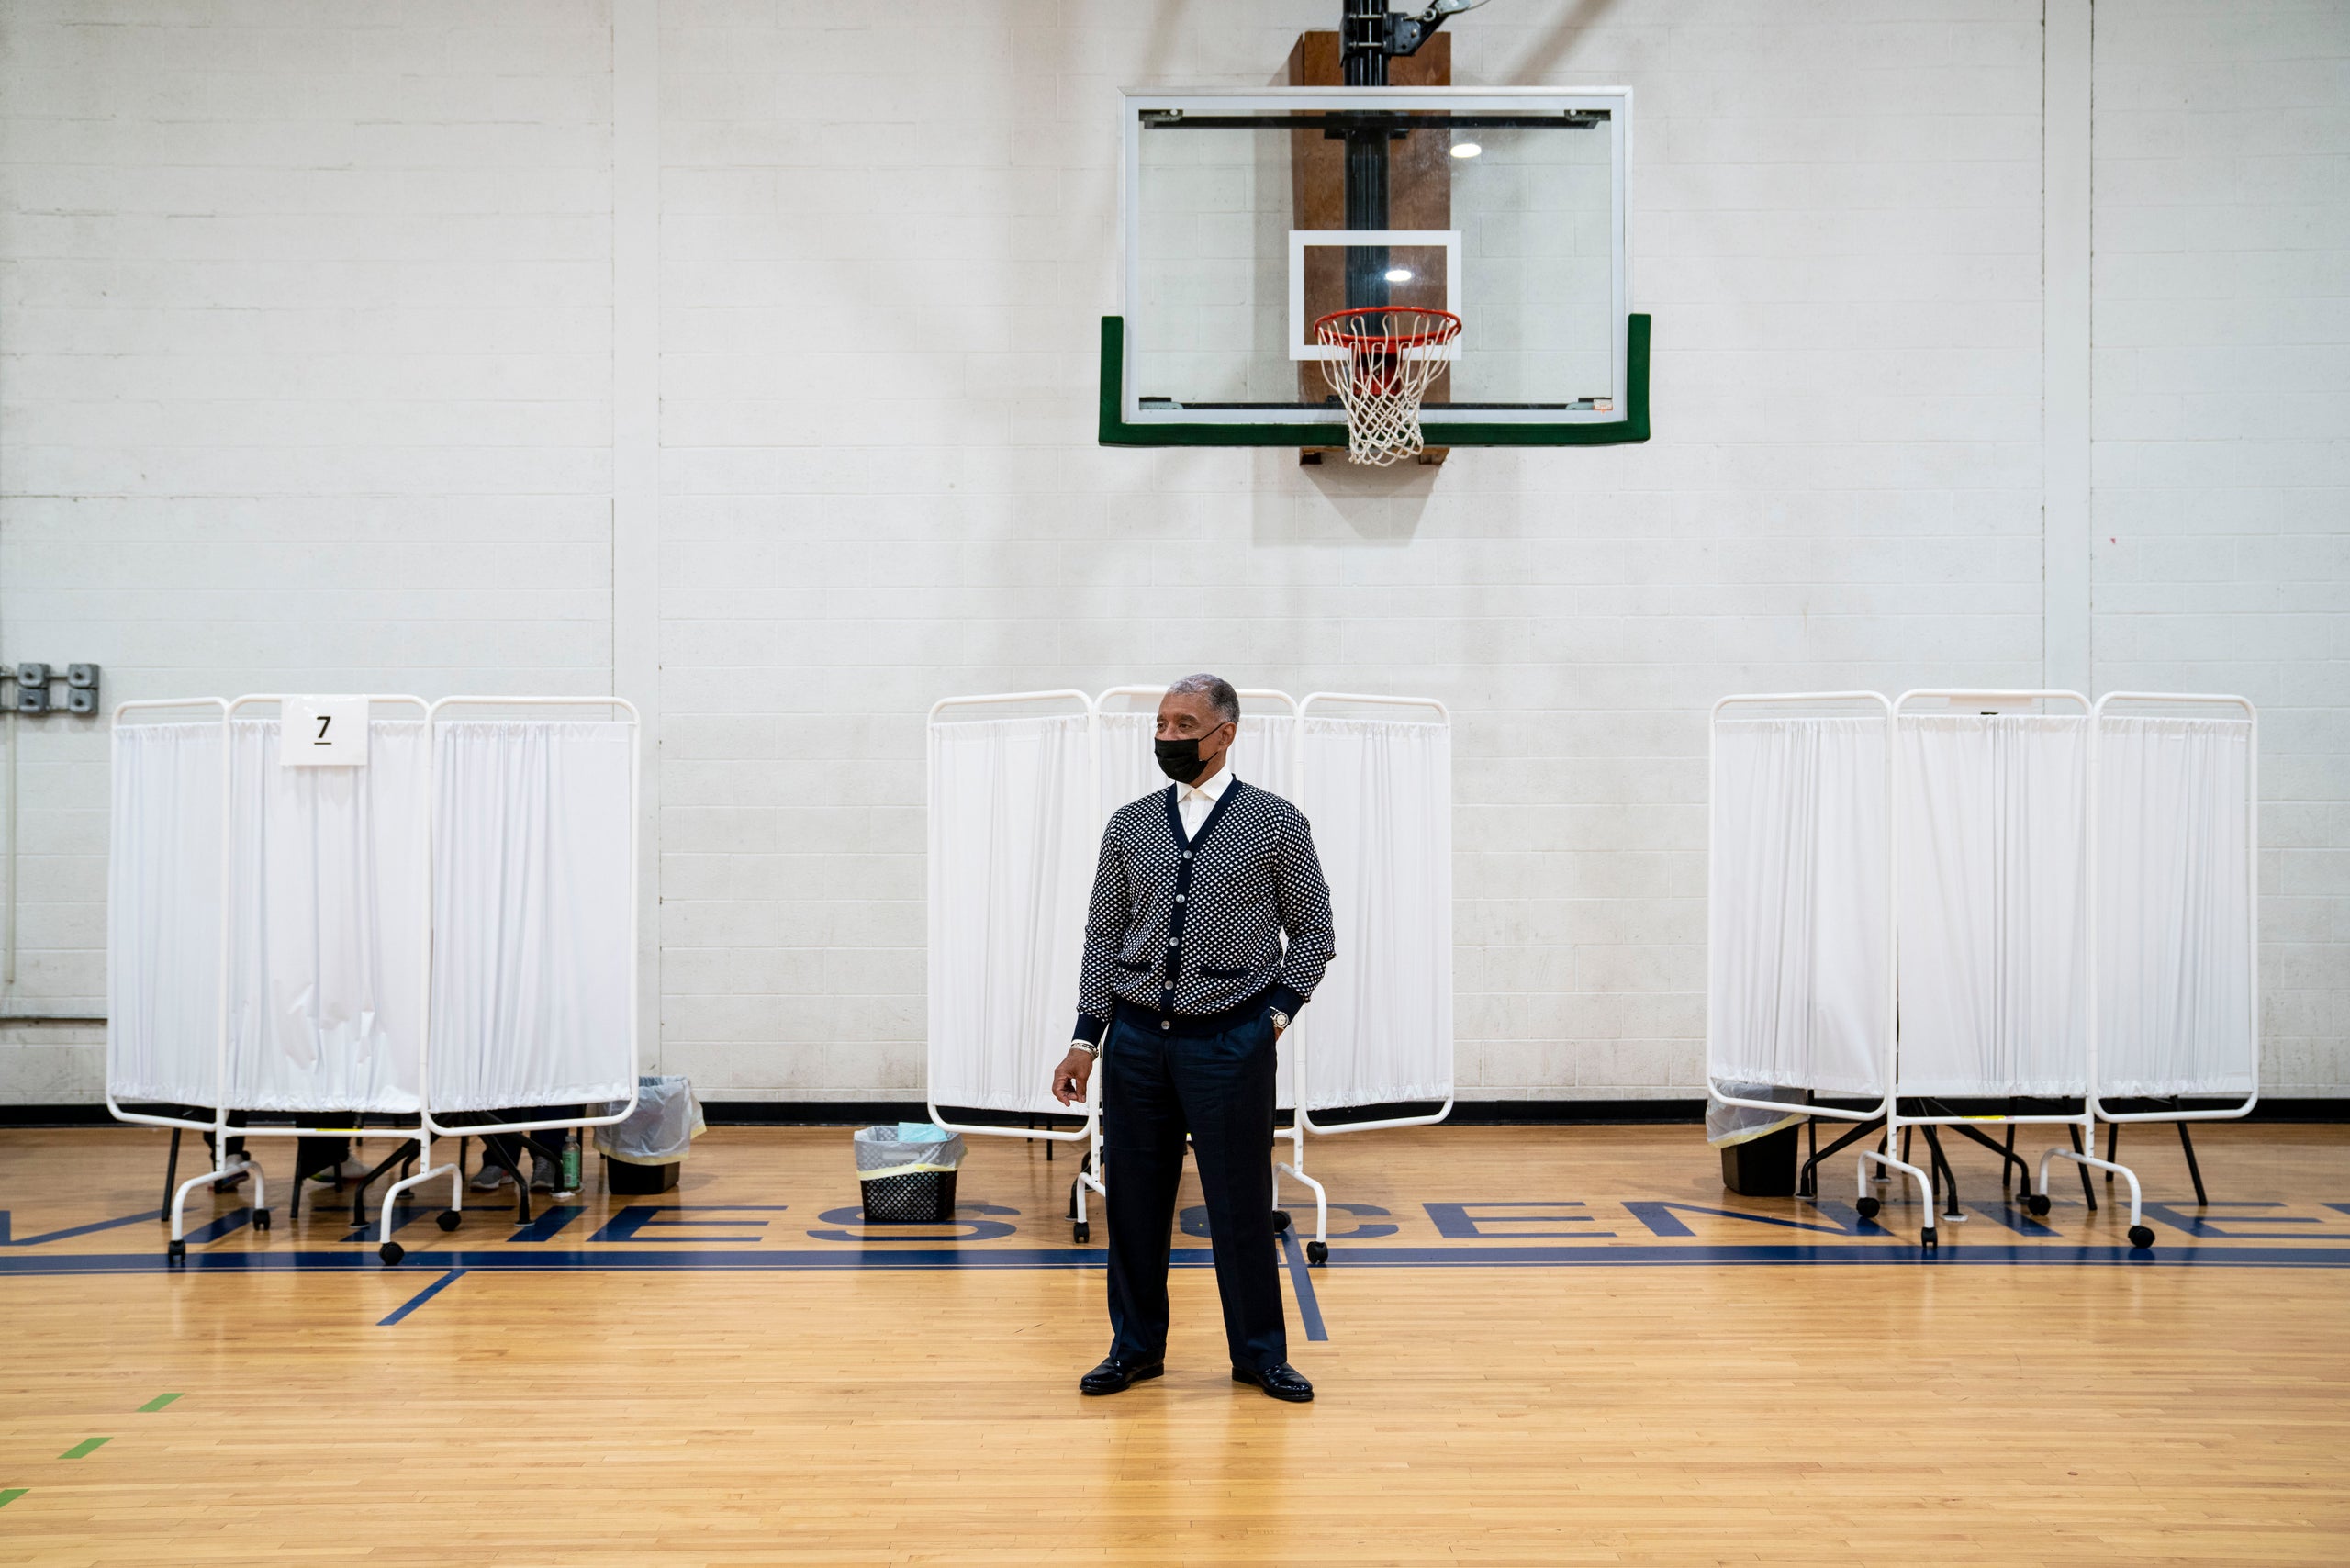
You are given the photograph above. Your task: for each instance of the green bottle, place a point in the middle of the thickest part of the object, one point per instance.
(571, 1161)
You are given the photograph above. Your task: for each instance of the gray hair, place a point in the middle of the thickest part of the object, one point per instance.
(1216, 690)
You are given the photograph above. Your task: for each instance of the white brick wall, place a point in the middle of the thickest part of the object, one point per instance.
(305, 372)
(2223, 439)
(1845, 489)
(304, 384)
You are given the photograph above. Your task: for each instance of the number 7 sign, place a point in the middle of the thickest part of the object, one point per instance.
(323, 731)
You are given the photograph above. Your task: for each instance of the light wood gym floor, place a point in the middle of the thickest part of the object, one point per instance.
(1542, 1363)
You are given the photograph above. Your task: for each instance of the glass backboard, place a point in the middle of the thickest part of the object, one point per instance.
(1251, 213)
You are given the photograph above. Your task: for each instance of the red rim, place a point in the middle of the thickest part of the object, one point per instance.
(1448, 327)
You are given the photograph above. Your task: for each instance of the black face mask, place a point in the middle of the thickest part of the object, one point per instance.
(1180, 760)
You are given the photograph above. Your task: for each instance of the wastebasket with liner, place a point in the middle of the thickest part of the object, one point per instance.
(642, 1153)
(908, 1172)
(1758, 1146)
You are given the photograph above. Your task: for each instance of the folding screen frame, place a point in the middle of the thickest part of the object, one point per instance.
(2093, 1108)
(388, 1249)
(1883, 1109)
(1301, 1121)
(1090, 1131)
(2252, 905)
(1089, 1178)
(2038, 1200)
(224, 1165)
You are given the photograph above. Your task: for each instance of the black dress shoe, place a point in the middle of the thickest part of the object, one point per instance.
(1115, 1376)
(1280, 1380)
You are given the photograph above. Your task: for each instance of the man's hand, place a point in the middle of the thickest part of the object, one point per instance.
(1070, 1078)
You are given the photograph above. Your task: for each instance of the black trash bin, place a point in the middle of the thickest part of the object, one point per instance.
(1758, 1142)
(635, 1180)
(907, 1181)
(1763, 1167)
(643, 1153)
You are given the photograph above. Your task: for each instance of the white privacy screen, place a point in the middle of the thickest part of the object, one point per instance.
(163, 914)
(532, 891)
(1379, 794)
(1014, 835)
(1994, 914)
(326, 921)
(2173, 940)
(1800, 969)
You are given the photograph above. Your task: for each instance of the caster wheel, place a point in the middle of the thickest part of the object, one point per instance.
(1082, 1231)
(2141, 1237)
(1868, 1207)
(450, 1219)
(1281, 1221)
(2037, 1203)
(176, 1251)
(391, 1253)
(261, 1219)
(1927, 1239)
(1318, 1252)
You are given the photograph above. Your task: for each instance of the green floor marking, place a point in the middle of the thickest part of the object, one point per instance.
(10, 1494)
(158, 1402)
(85, 1448)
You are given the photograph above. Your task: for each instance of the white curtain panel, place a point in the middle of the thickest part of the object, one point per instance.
(1264, 753)
(164, 914)
(1798, 966)
(1378, 793)
(1014, 830)
(327, 910)
(2173, 917)
(1129, 769)
(1994, 920)
(533, 890)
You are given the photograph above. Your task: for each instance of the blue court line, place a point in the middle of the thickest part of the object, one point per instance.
(1309, 1311)
(420, 1297)
(403, 1215)
(546, 1222)
(406, 1215)
(235, 1219)
(1906, 1254)
(7, 1241)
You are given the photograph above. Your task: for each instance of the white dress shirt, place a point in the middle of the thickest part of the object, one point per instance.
(1194, 802)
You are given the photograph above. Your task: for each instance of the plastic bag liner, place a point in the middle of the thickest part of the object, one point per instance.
(889, 1151)
(1728, 1124)
(667, 1120)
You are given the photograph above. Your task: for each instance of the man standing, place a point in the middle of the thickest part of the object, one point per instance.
(1187, 984)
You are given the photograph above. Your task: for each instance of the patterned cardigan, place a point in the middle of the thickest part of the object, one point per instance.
(1196, 927)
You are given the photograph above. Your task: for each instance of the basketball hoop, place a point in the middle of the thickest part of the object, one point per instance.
(1390, 353)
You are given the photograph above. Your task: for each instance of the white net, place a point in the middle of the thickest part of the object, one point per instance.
(1390, 354)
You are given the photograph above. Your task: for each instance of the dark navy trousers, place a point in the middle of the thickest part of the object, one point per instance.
(1218, 1087)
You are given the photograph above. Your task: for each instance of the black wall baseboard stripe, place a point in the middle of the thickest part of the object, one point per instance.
(1465, 1113)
